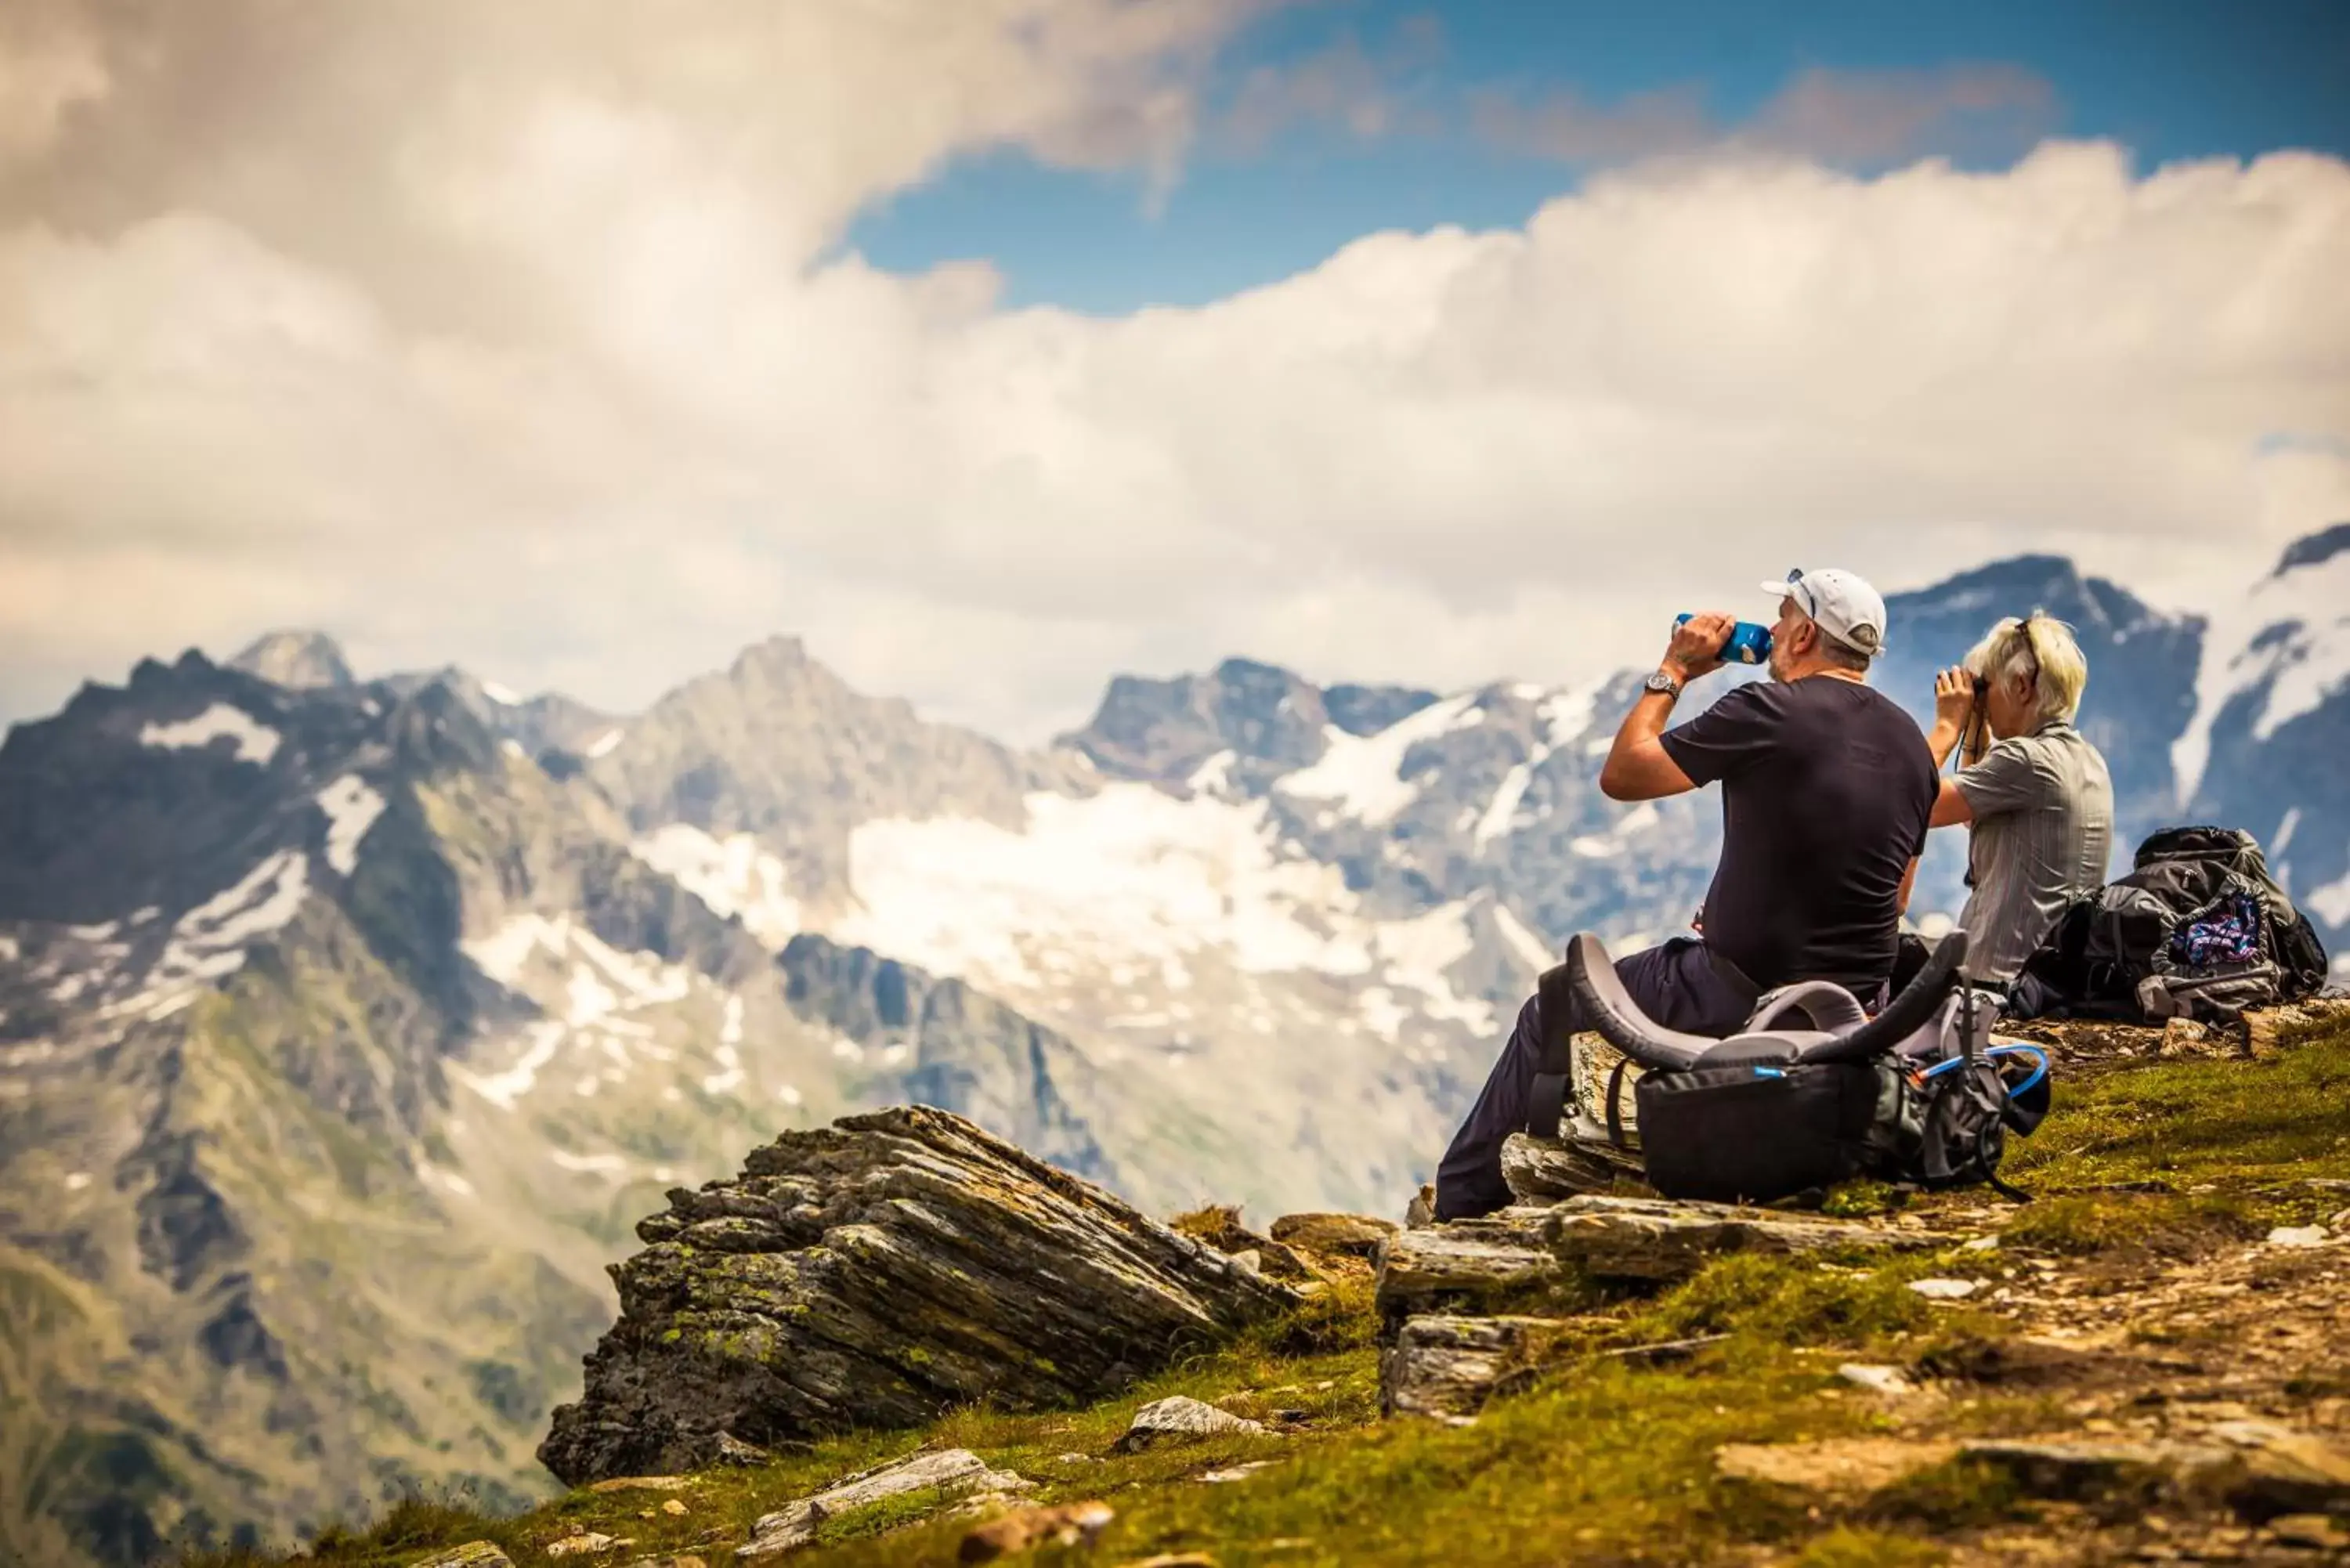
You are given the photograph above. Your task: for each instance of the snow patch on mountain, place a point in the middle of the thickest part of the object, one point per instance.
(594, 1164)
(1363, 775)
(601, 979)
(503, 1089)
(2330, 902)
(2288, 639)
(256, 743)
(735, 876)
(504, 696)
(351, 808)
(1415, 954)
(207, 944)
(1502, 812)
(1130, 879)
(1568, 714)
(1521, 941)
(604, 744)
(1128, 874)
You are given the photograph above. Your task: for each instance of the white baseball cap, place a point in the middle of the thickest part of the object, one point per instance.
(1841, 603)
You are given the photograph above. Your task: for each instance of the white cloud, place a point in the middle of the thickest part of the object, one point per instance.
(537, 357)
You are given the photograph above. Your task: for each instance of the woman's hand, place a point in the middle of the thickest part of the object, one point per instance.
(1954, 698)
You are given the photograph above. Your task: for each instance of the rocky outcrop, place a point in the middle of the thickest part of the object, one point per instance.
(1447, 1367)
(1544, 1170)
(874, 1274)
(1515, 1255)
(1179, 1419)
(948, 1472)
(296, 660)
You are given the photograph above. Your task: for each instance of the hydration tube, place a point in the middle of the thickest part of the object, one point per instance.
(2039, 1064)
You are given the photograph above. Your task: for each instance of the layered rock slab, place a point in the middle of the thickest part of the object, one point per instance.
(1516, 1254)
(875, 1273)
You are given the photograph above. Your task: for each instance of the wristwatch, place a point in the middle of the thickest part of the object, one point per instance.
(1660, 682)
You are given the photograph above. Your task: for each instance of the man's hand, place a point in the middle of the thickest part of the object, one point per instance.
(1696, 643)
(1954, 698)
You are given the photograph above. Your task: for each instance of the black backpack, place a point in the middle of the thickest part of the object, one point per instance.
(2197, 929)
(1812, 1092)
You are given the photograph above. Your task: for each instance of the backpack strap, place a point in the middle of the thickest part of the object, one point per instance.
(1616, 1103)
(1553, 1061)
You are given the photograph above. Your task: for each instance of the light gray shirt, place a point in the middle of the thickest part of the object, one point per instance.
(2044, 809)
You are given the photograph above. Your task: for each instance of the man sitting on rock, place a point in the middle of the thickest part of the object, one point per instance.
(1826, 788)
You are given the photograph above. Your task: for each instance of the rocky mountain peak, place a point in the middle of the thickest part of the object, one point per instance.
(2314, 549)
(300, 659)
(1164, 729)
(774, 656)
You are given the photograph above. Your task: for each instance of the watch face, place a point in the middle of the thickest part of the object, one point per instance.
(1660, 682)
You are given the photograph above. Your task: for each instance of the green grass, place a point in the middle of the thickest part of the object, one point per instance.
(1601, 1460)
(1848, 1548)
(2250, 1124)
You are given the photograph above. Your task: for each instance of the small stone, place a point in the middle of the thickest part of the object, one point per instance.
(1349, 1235)
(945, 1470)
(683, 1560)
(588, 1544)
(1946, 1290)
(1832, 1465)
(2312, 1530)
(1443, 1366)
(1069, 1524)
(734, 1451)
(639, 1483)
(1178, 1416)
(672, 1507)
(472, 1554)
(2080, 1472)
(2298, 1236)
(1878, 1380)
(1249, 1258)
(1076, 1459)
(1421, 1212)
(1236, 1472)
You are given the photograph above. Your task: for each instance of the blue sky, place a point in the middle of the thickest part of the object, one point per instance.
(2170, 80)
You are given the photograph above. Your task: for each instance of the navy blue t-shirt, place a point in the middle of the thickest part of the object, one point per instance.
(1827, 790)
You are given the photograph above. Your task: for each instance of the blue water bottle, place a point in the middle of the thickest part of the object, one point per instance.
(1748, 644)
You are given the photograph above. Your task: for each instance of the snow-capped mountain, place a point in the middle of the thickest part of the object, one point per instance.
(346, 1026)
(2271, 732)
(340, 1043)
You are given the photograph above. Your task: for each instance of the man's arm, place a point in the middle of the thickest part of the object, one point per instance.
(1951, 806)
(1909, 882)
(1637, 766)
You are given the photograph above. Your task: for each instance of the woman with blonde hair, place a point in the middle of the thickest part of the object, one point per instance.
(2036, 793)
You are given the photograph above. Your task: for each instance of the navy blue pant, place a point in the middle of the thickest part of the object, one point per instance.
(1678, 984)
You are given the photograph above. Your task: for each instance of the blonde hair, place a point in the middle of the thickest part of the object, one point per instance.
(2016, 651)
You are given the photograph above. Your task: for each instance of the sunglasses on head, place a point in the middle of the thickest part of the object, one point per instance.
(1801, 594)
(1983, 682)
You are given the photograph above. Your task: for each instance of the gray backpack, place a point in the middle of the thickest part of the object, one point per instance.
(1812, 1092)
